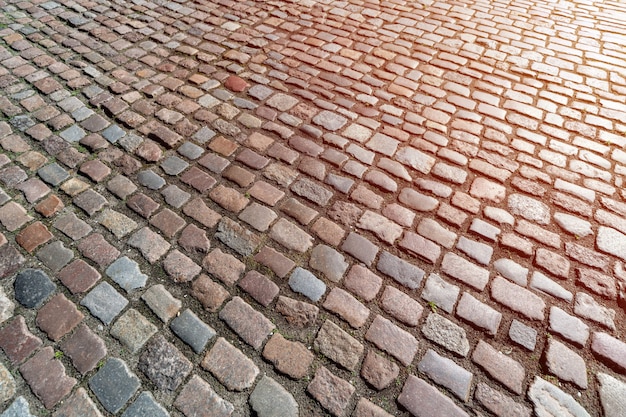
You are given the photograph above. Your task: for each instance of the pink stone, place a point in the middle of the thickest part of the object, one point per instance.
(235, 83)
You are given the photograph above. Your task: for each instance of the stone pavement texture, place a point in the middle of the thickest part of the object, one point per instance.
(306, 208)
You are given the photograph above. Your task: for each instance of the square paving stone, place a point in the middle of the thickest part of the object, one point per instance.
(168, 222)
(145, 406)
(151, 245)
(121, 186)
(13, 216)
(114, 385)
(126, 273)
(104, 302)
(133, 330)
(150, 179)
(95, 169)
(90, 201)
(84, 348)
(113, 133)
(46, 377)
(174, 165)
(72, 226)
(58, 317)
(192, 330)
(164, 364)
(34, 189)
(117, 223)
(17, 341)
(79, 276)
(174, 196)
(55, 255)
(32, 236)
(96, 248)
(12, 176)
(142, 204)
(53, 174)
(73, 134)
(33, 287)
(78, 404)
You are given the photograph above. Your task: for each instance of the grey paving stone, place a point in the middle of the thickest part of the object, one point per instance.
(230, 366)
(441, 293)
(237, 237)
(447, 373)
(133, 330)
(361, 248)
(173, 165)
(164, 364)
(304, 282)
(114, 384)
(174, 196)
(551, 401)
(161, 302)
(612, 395)
(400, 270)
(610, 349)
(150, 180)
(190, 150)
(499, 403)
(270, 399)
(126, 273)
(445, 333)
(329, 262)
(117, 223)
(312, 191)
(203, 135)
(570, 327)
(18, 408)
(485, 229)
(104, 302)
(53, 174)
(55, 255)
(113, 133)
(192, 330)
(33, 287)
(145, 406)
(523, 335)
(73, 134)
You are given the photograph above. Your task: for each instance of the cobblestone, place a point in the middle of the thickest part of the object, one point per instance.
(230, 366)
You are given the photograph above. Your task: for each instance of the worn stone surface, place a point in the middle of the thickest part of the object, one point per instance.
(392, 339)
(269, 398)
(549, 400)
(289, 357)
(612, 395)
(230, 366)
(422, 399)
(338, 345)
(331, 391)
(164, 364)
(447, 334)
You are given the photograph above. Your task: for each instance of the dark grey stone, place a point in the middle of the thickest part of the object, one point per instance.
(151, 180)
(173, 165)
(114, 385)
(270, 399)
(53, 174)
(33, 287)
(104, 302)
(163, 364)
(22, 122)
(55, 255)
(145, 406)
(192, 330)
(113, 133)
(400, 270)
(190, 150)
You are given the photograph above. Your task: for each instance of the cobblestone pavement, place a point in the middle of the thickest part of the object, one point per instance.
(348, 208)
